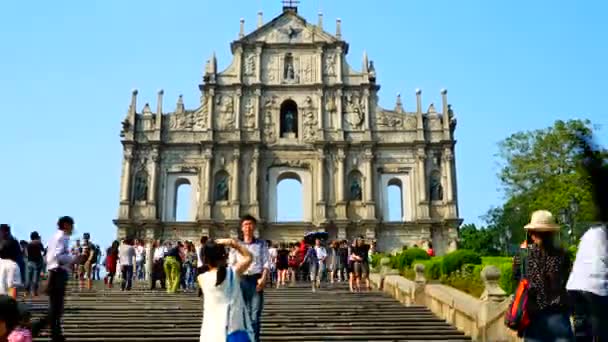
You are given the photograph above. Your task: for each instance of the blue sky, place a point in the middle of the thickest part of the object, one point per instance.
(67, 69)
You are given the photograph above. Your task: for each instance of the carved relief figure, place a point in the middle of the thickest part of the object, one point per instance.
(410, 122)
(330, 65)
(221, 189)
(384, 119)
(250, 65)
(249, 114)
(355, 190)
(202, 114)
(436, 187)
(310, 122)
(353, 111)
(140, 188)
(226, 112)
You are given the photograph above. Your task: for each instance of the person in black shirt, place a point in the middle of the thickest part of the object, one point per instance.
(360, 259)
(35, 253)
(14, 247)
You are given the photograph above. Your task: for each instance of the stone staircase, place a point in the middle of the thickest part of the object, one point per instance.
(290, 314)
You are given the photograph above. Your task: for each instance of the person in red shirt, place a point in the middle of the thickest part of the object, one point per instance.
(430, 250)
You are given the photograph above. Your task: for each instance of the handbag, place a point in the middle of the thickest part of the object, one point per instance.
(516, 317)
(238, 335)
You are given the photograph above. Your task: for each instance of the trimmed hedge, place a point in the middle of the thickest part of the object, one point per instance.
(454, 261)
(406, 258)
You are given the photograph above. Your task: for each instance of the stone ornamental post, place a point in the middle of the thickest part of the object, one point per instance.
(210, 105)
(420, 161)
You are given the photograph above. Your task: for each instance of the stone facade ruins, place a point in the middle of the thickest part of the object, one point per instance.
(289, 106)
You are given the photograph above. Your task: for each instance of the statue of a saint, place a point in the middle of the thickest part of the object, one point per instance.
(289, 122)
(436, 189)
(140, 188)
(355, 190)
(221, 190)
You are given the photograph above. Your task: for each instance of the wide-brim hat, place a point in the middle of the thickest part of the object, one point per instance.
(542, 221)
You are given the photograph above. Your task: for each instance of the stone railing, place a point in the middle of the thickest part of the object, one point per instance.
(480, 318)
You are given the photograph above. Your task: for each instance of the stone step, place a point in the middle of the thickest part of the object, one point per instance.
(290, 314)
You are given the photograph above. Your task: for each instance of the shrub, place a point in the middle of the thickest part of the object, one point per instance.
(454, 261)
(506, 281)
(432, 267)
(376, 257)
(496, 261)
(469, 283)
(405, 259)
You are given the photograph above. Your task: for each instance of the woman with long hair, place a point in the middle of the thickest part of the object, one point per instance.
(224, 310)
(546, 267)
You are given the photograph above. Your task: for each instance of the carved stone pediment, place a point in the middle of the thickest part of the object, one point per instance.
(391, 120)
(288, 28)
(297, 163)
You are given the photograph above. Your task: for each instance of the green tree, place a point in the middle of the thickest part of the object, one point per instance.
(541, 169)
(482, 241)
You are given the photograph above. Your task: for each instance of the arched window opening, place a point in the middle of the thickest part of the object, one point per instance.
(289, 119)
(290, 204)
(221, 187)
(395, 200)
(355, 186)
(183, 201)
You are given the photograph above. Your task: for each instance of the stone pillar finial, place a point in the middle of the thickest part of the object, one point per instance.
(133, 107)
(420, 278)
(492, 293)
(365, 66)
(260, 19)
(339, 28)
(242, 29)
(399, 104)
(320, 23)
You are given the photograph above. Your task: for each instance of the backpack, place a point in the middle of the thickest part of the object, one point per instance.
(516, 317)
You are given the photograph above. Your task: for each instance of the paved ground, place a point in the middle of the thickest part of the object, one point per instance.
(290, 314)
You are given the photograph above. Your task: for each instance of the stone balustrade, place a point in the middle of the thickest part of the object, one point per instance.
(480, 318)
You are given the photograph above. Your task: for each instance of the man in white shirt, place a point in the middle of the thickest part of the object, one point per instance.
(126, 254)
(321, 256)
(588, 284)
(59, 263)
(10, 275)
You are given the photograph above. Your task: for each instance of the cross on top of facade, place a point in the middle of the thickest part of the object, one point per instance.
(291, 5)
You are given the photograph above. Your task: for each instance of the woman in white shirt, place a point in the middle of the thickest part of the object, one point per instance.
(224, 310)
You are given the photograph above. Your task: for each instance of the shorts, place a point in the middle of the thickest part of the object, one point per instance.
(84, 271)
(361, 269)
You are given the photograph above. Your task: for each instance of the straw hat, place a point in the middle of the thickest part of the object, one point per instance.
(542, 221)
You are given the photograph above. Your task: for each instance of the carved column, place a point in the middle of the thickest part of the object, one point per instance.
(339, 109)
(320, 108)
(205, 182)
(210, 105)
(258, 94)
(258, 64)
(339, 65)
(369, 180)
(366, 112)
(253, 183)
(447, 162)
(319, 64)
(340, 200)
(238, 55)
(320, 186)
(155, 157)
(423, 212)
(237, 108)
(235, 182)
(126, 174)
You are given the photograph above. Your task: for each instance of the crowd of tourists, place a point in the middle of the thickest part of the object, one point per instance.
(232, 274)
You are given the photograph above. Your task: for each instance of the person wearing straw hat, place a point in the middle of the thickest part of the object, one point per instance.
(547, 266)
